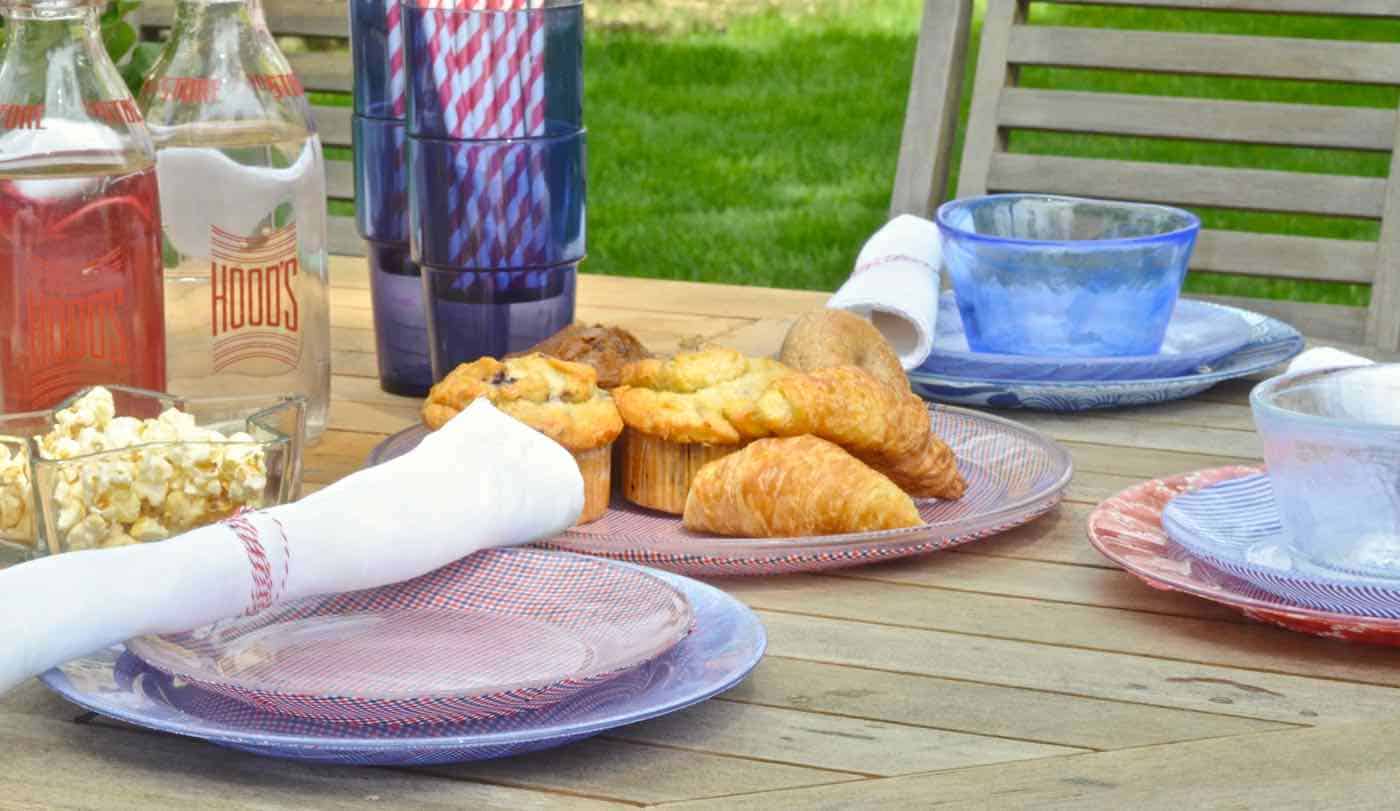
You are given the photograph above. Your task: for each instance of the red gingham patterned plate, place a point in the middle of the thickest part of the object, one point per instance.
(1128, 530)
(499, 632)
(1014, 474)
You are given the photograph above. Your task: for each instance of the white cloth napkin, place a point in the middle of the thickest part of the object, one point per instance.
(483, 480)
(895, 285)
(1325, 357)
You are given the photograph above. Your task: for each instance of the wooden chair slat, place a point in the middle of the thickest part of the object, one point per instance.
(333, 123)
(931, 117)
(1342, 8)
(342, 237)
(1313, 125)
(316, 18)
(983, 136)
(1329, 322)
(1333, 260)
(1252, 189)
(340, 180)
(323, 70)
(1213, 54)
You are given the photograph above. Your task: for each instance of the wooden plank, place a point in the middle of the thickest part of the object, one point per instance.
(640, 774)
(1255, 189)
(344, 239)
(982, 708)
(1330, 322)
(1091, 673)
(834, 742)
(323, 70)
(1135, 114)
(1134, 433)
(1244, 646)
(1332, 260)
(984, 138)
(1383, 320)
(125, 768)
(340, 179)
(1211, 54)
(1029, 580)
(931, 115)
(1351, 8)
(317, 18)
(1344, 766)
(1144, 463)
(333, 125)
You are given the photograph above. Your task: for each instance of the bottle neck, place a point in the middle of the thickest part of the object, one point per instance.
(41, 41)
(220, 25)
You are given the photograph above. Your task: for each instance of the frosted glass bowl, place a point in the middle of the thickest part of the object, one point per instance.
(1332, 444)
(1064, 276)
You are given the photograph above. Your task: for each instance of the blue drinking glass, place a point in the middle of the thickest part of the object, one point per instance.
(497, 204)
(372, 51)
(1044, 275)
(472, 314)
(381, 179)
(400, 321)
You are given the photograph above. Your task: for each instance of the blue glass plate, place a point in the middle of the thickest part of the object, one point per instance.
(1234, 526)
(726, 645)
(1272, 342)
(1199, 333)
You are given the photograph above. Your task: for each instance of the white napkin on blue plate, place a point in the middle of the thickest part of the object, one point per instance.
(895, 285)
(483, 480)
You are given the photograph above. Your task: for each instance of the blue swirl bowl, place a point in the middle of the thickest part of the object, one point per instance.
(1046, 275)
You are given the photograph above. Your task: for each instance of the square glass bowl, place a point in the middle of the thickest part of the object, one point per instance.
(43, 501)
(1332, 446)
(1065, 276)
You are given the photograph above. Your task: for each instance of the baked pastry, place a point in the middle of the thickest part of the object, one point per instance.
(606, 349)
(792, 487)
(889, 430)
(825, 338)
(684, 412)
(555, 397)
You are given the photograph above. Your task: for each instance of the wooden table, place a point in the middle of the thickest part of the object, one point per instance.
(1021, 670)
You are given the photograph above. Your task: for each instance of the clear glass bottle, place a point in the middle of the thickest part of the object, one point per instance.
(243, 196)
(80, 270)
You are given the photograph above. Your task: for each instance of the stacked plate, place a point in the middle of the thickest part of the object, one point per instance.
(1217, 534)
(1205, 344)
(506, 651)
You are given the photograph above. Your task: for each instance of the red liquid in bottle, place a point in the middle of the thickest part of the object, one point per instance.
(81, 293)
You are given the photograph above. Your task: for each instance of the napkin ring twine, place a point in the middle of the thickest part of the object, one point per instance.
(267, 587)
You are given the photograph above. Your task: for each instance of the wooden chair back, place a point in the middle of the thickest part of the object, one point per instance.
(1001, 105)
(322, 73)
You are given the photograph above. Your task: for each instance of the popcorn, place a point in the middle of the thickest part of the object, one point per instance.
(147, 494)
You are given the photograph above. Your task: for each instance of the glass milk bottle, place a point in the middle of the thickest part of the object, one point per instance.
(243, 196)
(80, 273)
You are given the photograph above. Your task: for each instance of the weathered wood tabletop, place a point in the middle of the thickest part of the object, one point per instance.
(1023, 670)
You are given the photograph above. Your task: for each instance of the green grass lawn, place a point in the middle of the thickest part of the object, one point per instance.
(764, 153)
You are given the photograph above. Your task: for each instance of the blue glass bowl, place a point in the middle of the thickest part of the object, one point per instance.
(1063, 276)
(1332, 443)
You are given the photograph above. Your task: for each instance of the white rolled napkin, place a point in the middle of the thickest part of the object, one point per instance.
(483, 480)
(895, 285)
(1325, 357)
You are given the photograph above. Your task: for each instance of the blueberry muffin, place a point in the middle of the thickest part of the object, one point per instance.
(684, 412)
(606, 349)
(559, 399)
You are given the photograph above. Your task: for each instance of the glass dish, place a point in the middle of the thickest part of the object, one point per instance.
(496, 633)
(1332, 445)
(726, 645)
(1273, 343)
(1198, 335)
(277, 426)
(1065, 276)
(1014, 474)
(1235, 526)
(1127, 529)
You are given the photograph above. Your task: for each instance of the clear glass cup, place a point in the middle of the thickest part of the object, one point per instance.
(80, 270)
(1064, 276)
(1332, 447)
(41, 496)
(244, 205)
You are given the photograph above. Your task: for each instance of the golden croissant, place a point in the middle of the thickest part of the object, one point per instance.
(793, 487)
(887, 429)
